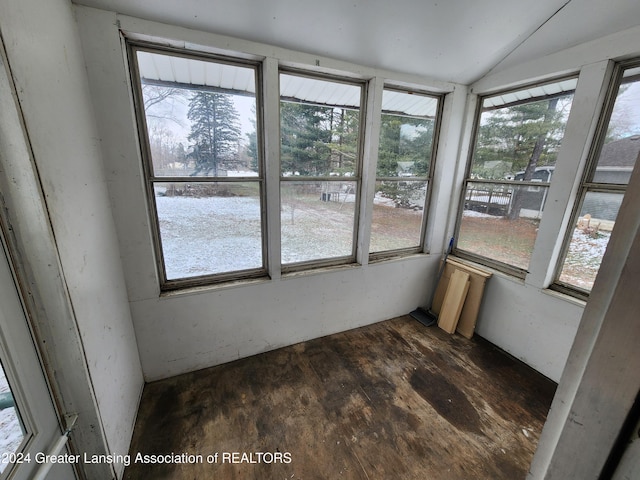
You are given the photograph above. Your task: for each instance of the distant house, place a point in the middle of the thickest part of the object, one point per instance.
(617, 160)
(615, 165)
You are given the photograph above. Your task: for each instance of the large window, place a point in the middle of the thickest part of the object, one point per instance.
(616, 150)
(517, 137)
(203, 164)
(405, 152)
(320, 129)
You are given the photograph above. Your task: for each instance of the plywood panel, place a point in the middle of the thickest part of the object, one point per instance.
(469, 314)
(453, 301)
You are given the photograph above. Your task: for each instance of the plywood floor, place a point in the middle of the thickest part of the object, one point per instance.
(394, 400)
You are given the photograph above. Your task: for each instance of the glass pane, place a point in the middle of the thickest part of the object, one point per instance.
(517, 142)
(406, 134)
(209, 228)
(319, 127)
(590, 239)
(397, 215)
(200, 116)
(12, 431)
(500, 222)
(622, 143)
(317, 220)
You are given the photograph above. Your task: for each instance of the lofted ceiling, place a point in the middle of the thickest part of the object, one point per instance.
(453, 40)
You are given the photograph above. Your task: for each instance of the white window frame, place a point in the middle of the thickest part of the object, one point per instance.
(356, 178)
(587, 183)
(508, 269)
(428, 179)
(134, 46)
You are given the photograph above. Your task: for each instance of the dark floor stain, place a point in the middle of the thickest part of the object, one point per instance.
(392, 400)
(447, 399)
(160, 429)
(508, 468)
(503, 371)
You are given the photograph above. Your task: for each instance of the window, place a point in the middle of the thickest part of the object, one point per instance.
(517, 137)
(320, 123)
(405, 152)
(12, 430)
(616, 149)
(203, 164)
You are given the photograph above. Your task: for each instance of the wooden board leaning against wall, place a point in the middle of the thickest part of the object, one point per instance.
(469, 315)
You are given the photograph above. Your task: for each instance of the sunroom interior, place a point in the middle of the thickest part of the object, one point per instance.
(122, 282)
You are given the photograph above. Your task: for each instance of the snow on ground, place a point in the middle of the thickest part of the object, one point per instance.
(583, 256)
(10, 429)
(209, 235)
(473, 213)
(587, 249)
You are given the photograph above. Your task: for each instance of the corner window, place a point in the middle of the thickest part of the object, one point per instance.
(517, 138)
(405, 152)
(205, 183)
(616, 150)
(320, 123)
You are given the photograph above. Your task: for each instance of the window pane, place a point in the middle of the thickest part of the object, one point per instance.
(590, 238)
(500, 222)
(516, 142)
(406, 134)
(319, 126)
(397, 215)
(209, 228)
(622, 142)
(11, 429)
(200, 116)
(317, 220)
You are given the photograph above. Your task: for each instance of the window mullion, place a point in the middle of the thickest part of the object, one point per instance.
(271, 128)
(370, 158)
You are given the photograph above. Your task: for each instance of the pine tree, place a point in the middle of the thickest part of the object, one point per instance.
(215, 131)
(403, 141)
(514, 141)
(520, 137)
(306, 135)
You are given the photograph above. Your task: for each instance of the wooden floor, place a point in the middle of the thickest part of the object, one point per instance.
(394, 400)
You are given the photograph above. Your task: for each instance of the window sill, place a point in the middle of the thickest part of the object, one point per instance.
(319, 270)
(567, 297)
(212, 287)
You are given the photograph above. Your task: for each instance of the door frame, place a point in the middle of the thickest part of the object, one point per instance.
(41, 281)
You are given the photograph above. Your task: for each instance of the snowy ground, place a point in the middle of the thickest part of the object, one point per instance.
(10, 430)
(209, 235)
(212, 235)
(584, 255)
(584, 258)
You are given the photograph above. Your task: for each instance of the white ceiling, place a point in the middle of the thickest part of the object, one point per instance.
(454, 40)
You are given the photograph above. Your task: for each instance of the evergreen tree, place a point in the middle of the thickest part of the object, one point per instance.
(252, 137)
(306, 135)
(514, 141)
(345, 126)
(404, 150)
(215, 131)
(517, 139)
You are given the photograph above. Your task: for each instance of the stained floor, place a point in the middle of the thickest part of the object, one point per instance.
(394, 400)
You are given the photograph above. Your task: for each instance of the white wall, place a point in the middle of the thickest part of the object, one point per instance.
(523, 317)
(184, 331)
(188, 330)
(46, 62)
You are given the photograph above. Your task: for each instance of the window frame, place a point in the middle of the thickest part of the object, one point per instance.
(363, 84)
(587, 183)
(150, 179)
(428, 179)
(506, 268)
